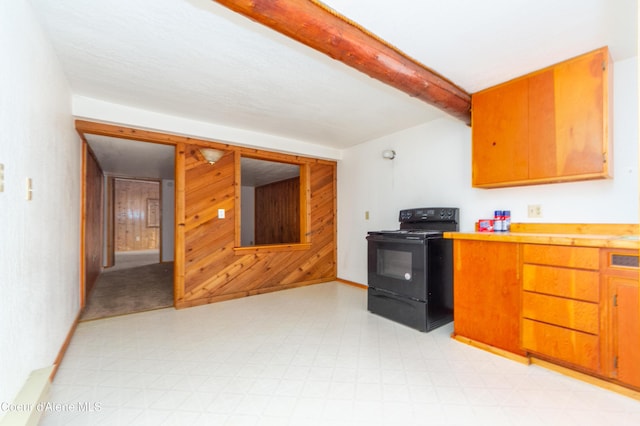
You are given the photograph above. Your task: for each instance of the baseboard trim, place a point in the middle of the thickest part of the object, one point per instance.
(352, 283)
(27, 408)
(602, 383)
(182, 304)
(65, 346)
(492, 349)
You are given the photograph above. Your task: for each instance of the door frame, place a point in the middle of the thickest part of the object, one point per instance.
(87, 127)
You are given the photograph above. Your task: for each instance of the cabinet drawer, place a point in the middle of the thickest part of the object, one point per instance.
(564, 282)
(574, 347)
(569, 313)
(565, 256)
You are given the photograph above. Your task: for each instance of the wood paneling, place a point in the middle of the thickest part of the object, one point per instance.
(214, 270)
(277, 212)
(92, 220)
(110, 235)
(209, 266)
(135, 229)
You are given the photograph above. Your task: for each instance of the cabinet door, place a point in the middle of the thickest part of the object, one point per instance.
(543, 156)
(625, 319)
(581, 109)
(486, 293)
(500, 134)
(548, 126)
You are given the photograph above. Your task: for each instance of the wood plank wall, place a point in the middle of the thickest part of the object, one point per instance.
(92, 221)
(133, 229)
(214, 270)
(277, 208)
(208, 265)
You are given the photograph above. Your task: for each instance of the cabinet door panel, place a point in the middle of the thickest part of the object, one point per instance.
(564, 282)
(500, 134)
(626, 323)
(569, 313)
(579, 106)
(487, 294)
(543, 158)
(574, 347)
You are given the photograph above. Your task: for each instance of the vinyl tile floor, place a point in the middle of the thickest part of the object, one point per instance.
(306, 356)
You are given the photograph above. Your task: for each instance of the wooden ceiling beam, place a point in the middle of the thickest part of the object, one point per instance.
(321, 28)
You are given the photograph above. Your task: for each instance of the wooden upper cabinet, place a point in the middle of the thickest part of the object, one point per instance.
(581, 147)
(548, 126)
(501, 136)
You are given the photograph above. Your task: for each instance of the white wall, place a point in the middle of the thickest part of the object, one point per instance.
(98, 110)
(168, 219)
(433, 168)
(39, 239)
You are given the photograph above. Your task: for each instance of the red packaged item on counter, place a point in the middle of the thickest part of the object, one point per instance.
(485, 225)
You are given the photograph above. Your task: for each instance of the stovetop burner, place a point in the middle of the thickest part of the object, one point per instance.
(422, 224)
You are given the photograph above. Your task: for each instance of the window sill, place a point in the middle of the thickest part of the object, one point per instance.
(271, 248)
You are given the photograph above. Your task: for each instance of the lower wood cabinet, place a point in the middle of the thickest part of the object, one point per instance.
(561, 304)
(487, 294)
(577, 307)
(562, 344)
(621, 316)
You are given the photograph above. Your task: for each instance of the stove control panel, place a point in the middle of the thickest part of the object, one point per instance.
(430, 214)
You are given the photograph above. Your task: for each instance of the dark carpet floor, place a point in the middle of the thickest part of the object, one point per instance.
(128, 291)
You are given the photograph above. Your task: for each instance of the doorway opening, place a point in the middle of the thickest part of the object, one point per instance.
(130, 220)
(137, 217)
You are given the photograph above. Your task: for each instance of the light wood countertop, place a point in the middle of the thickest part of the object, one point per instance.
(584, 240)
(617, 236)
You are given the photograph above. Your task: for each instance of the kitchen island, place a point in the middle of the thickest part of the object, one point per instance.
(562, 295)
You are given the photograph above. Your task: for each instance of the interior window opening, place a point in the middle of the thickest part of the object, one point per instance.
(270, 202)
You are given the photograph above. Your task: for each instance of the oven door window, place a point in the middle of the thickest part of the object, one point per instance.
(398, 267)
(395, 264)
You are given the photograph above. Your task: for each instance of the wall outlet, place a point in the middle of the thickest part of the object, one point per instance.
(220, 213)
(535, 210)
(366, 215)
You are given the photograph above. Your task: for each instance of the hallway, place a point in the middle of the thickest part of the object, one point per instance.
(136, 283)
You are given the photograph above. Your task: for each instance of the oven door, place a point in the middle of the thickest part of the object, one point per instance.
(398, 266)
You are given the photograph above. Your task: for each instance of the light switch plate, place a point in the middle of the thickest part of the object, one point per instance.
(1, 177)
(29, 194)
(220, 213)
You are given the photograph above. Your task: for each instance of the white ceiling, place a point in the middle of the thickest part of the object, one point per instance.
(260, 172)
(198, 60)
(121, 157)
